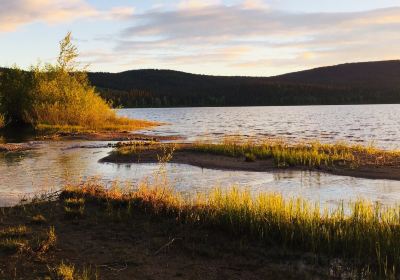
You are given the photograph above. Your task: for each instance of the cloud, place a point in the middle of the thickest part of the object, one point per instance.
(199, 34)
(16, 13)
(197, 4)
(254, 4)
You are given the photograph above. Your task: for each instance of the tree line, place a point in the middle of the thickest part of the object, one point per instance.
(163, 88)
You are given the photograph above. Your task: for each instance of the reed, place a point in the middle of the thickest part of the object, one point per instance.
(364, 234)
(310, 154)
(2, 121)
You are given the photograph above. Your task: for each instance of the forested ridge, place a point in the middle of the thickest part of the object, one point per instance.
(353, 83)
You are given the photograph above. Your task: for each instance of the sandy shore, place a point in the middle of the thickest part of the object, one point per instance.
(16, 147)
(108, 136)
(185, 155)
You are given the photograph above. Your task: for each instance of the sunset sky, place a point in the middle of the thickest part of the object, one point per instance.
(256, 38)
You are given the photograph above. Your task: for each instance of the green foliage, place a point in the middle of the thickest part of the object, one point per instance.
(15, 95)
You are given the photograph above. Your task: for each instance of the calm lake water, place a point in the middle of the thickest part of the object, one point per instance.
(54, 163)
(377, 124)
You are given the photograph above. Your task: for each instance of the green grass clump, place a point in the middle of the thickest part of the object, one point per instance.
(310, 154)
(366, 235)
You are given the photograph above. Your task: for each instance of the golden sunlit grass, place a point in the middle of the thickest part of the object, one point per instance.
(2, 121)
(68, 272)
(38, 219)
(115, 124)
(310, 154)
(12, 239)
(17, 238)
(11, 232)
(366, 234)
(283, 154)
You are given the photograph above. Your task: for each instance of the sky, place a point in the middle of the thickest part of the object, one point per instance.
(217, 37)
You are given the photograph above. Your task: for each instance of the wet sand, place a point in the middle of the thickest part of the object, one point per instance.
(108, 136)
(185, 155)
(16, 147)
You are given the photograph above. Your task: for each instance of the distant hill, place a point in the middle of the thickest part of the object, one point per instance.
(380, 74)
(353, 83)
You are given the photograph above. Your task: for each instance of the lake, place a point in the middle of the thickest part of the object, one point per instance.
(365, 124)
(56, 163)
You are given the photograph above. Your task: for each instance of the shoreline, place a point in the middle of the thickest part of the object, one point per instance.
(138, 245)
(108, 136)
(185, 155)
(16, 147)
(154, 233)
(10, 147)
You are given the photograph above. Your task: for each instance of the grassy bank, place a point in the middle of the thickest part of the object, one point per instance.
(360, 242)
(267, 155)
(310, 154)
(90, 233)
(367, 237)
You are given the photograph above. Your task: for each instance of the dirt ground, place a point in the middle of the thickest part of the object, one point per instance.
(142, 246)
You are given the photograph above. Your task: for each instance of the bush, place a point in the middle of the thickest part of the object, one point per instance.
(58, 96)
(15, 95)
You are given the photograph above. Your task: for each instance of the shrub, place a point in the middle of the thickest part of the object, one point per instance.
(58, 96)
(15, 95)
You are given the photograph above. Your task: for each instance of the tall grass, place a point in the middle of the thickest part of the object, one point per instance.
(364, 234)
(311, 154)
(2, 121)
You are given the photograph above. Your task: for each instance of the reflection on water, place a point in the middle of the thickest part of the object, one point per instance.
(379, 124)
(56, 163)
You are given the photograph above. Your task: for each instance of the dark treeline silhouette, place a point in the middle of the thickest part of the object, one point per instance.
(355, 83)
